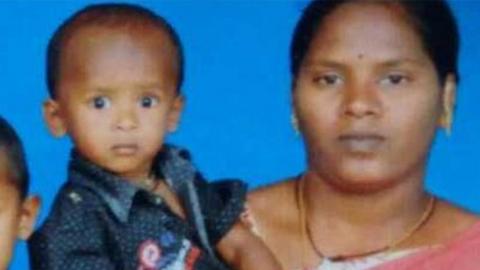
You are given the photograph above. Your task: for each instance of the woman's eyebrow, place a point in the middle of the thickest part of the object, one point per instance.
(324, 63)
(404, 61)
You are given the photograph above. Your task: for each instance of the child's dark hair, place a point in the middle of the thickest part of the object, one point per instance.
(433, 20)
(12, 150)
(114, 15)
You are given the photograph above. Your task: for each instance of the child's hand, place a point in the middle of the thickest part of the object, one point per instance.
(242, 250)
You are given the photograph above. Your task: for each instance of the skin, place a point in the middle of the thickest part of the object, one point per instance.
(352, 94)
(368, 112)
(124, 86)
(17, 216)
(117, 102)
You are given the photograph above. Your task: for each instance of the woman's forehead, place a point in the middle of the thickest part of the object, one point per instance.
(366, 31)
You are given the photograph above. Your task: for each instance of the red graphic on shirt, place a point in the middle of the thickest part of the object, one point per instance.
(191, 258)
(149, 254)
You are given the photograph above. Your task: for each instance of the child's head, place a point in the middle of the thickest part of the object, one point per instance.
(114, 76)
(17, 212)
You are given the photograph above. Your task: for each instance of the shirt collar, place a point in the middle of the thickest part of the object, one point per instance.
(117, 192)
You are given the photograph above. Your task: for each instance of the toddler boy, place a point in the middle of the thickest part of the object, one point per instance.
(131, 202)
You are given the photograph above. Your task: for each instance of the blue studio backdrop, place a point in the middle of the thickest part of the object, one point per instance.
(237, 116)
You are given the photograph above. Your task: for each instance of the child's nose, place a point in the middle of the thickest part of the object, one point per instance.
(127, 119)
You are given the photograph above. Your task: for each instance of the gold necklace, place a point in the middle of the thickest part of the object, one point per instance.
(307, 237)
(149, 183)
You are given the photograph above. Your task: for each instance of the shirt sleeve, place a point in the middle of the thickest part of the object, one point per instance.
(70, 239)
(222, 203)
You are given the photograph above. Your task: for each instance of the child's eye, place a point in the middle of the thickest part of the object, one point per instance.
(148, 102)
(100, 103)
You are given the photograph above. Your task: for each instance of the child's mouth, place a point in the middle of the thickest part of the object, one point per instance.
(124, 149)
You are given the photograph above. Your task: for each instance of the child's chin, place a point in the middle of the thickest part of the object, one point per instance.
(128, 167)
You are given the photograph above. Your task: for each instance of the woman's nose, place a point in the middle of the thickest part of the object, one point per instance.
(361, 100)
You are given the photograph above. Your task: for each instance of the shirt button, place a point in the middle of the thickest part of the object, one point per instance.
(75, 197)
(157, 200)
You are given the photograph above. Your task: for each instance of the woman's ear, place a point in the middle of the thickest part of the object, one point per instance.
(53, 118)
(174, 115)
(294, 117)
(28, 215)
(449, 97)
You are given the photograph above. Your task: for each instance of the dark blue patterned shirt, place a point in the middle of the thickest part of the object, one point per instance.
(100, 221)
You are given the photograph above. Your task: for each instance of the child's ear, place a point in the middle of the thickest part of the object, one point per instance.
(53, 118)
(175, 113)
(449, 94)
(28, 216)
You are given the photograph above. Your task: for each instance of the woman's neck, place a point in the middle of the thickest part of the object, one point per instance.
(345, 223)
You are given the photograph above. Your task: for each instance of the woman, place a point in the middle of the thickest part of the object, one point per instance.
(372, 82)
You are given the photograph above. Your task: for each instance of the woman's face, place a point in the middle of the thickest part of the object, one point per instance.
(368, 98)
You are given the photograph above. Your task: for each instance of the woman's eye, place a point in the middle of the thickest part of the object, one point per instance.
(148, 102)
(100, 103)
(328, 80)
(394, 79)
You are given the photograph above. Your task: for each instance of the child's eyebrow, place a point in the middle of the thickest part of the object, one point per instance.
(151, 86)
(154, 87)
(103, 90)
(143, 87)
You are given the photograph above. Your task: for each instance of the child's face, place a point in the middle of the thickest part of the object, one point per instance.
(17, 217)
(117, 97)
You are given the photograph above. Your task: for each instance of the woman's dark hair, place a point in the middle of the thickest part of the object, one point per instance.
(12, 150)
(114, 15)
(432, 19)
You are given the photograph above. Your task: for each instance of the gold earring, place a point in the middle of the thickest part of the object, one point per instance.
(172, 128)
(294, 122)
(448, 123)
(60, 132)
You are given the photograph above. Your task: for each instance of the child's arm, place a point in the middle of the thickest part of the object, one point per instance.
(63, 250)
(222, 203)
(242, 250)
(71, 238)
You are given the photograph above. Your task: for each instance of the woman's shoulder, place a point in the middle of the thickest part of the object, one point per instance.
(448, 224)
(456, 242)
(453, 220)
(273, 209)
(272, 213)
(280, 195)
(450, 210)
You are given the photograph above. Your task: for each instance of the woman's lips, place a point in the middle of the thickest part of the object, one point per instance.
(361, 142)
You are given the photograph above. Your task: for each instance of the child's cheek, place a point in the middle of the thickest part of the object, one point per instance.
(8, 234)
